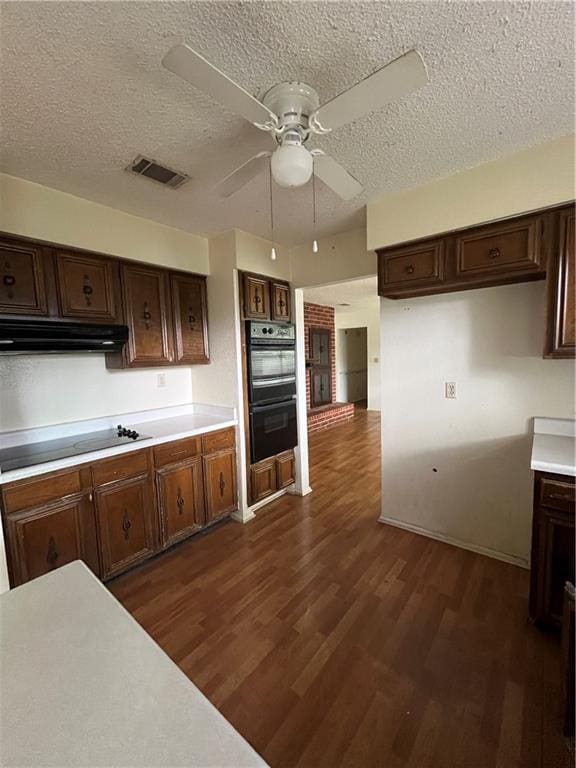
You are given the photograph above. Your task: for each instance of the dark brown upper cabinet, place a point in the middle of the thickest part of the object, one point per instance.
(280, 301)
(87, 287)
(509, 251)
(22, 278)
(256, 297)
(146, 301)
(501, 249)
(190, 318)
(561, 312)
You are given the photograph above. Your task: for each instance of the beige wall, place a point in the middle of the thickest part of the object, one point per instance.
(539, 176)
(340, 257)
(36, 211)
(253, 255)
(368, 317)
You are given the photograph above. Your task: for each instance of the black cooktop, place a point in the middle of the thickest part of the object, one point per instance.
(50, 450)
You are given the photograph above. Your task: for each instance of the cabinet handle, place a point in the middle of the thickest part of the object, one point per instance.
(494, 253)
(87, 290)
(191, 319)
(281, 303)
(90, 497)
(9, 281)
(147, 316)
(126, 525)
(222, 484)
(410, 269)
(179, 501)
(52, 553)
(257, 299)
(559, 497)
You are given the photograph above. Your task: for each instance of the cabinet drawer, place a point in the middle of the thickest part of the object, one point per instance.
(501, 248)
(121, 467)
(421, 265)
(170, 453)
(44, 489)
(219, 441)
(557, 495)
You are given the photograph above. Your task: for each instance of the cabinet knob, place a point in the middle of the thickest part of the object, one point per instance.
(9, 281)
(52, 553)
(222, 484)
(410, 269)
(494, 253)
(147, 315)
(126, 525)
(179, 501)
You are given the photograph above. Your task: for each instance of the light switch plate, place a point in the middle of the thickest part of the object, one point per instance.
(450, 391)
(161, 380)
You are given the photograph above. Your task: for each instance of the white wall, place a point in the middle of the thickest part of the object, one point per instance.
(537, 177)
(489, 342)
(369, 317)
(340, 257)
(42, 389)
(351, 364)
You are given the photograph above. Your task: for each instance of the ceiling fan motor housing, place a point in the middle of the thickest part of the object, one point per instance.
(293, 103)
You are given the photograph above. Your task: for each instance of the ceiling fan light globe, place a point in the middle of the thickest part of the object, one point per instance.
(292, 165)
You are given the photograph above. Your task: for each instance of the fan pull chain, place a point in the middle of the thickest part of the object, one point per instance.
(273, 251)
(315, 242)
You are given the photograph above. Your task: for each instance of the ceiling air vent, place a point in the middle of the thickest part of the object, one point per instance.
(142, 166)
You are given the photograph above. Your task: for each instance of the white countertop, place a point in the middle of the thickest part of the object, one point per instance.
(162, 426)
(84, 685)
(554, 446)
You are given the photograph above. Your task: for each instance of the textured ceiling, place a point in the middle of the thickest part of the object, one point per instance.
(357, 293)
(82, 92)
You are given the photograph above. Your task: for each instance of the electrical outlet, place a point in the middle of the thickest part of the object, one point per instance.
(450, 390)
(161, 380)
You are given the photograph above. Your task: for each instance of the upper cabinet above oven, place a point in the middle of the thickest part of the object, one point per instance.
(265, 298)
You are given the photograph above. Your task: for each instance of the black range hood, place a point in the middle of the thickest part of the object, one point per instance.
(22, 336)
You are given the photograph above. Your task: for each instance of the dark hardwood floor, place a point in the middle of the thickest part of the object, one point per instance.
(328, 639)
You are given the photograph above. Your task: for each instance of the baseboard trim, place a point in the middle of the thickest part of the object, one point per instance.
(242, 517)
(293, 491)
(493, 553)
(267, 500)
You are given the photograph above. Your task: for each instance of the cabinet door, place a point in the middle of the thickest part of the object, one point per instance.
(146, 307)
(320, 389)
(262, 480)
(220, 484)
(46, 538)
(22, 282)
(411, 268)
(256, 298)
(86, 287)
(190, 319)
(285, 469)
(126, 524)
(561, 317)
(280, 293)
(502, 249)
(180, 500)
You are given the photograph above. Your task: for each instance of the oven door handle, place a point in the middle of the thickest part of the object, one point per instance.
(273, 406)
(263, 382)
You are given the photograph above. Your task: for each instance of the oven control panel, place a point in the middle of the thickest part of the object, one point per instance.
(260, 332)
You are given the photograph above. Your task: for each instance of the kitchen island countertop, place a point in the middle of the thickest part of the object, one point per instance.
(84, 685)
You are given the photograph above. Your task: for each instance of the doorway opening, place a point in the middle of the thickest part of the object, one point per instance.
(352, 366)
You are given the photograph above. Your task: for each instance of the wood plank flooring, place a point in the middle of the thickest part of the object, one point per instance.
(328, 639)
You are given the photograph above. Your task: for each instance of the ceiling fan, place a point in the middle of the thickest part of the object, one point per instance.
(290, 111)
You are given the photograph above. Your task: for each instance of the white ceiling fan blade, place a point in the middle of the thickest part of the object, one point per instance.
(335, 176)
(394, 80)
(242, 175)
(194, 68)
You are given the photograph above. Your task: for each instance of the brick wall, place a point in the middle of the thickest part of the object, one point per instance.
(319, 316)
(329, 416)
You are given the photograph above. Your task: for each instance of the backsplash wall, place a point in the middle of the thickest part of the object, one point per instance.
(37, 390)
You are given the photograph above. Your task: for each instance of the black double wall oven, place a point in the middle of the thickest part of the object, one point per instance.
(271, 387)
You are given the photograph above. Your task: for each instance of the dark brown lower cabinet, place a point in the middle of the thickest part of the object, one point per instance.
(111, 514)
(126, 524)
(271, 475)
(220, 483)
(552, 560)
(180, 500)
(44, 538)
